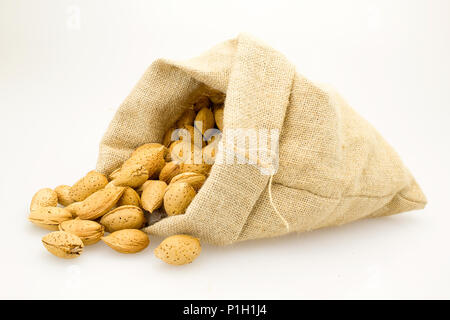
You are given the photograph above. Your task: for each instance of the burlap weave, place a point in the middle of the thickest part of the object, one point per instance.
(334, 167)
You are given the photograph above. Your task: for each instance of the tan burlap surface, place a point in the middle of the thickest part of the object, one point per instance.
(334, 167)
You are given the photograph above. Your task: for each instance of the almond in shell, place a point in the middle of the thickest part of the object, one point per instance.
(63, 193)
(182, 151)
(204, 120)
(158, 166)
(202, 168)
(49, 217)
(114, 174)
(129, 198)
(127, 240)
(170, 170)
(124, 217)
(132, 175)
(194, 179)
(44, 198)
(63, 244)
(149, 156)
(153, 195)
(177, 198)
(97, 204)
(209, 152)
(178, 249)
(83, 188)
(185, 133)
(88, 231)
(141, 188)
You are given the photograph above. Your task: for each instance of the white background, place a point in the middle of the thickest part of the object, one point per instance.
(61, 81)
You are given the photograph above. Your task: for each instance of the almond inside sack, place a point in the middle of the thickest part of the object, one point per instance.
(333, 166)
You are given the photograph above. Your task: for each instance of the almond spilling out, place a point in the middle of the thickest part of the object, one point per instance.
(177, 198)
(156, 181)
(127, 240)
(63, 193)
(44, 198)
(124, 217)
(87, 185)
(63, 244)
(178, 250)
(97, 204)
(89, 232)
(49, 217)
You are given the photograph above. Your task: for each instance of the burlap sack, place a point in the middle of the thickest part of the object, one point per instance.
(334, 167)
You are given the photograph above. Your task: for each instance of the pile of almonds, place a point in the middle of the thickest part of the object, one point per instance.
(157, 180)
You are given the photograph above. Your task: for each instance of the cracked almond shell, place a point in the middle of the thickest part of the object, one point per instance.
(131, 175)
(63, 244)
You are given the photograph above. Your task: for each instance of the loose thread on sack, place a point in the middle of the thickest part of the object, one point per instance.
(268, 166)
(286, 224)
